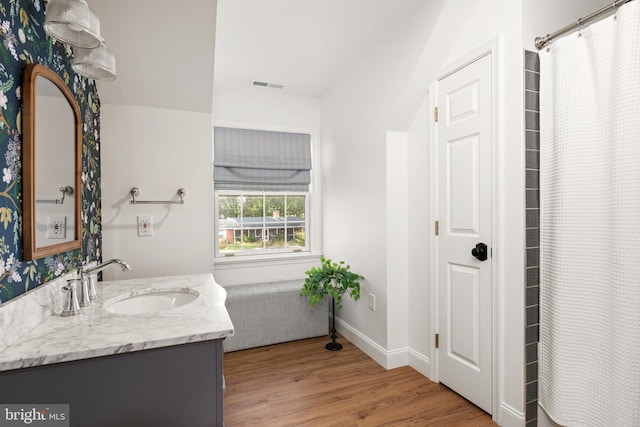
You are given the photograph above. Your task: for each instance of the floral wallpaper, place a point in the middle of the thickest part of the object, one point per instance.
(23, 41)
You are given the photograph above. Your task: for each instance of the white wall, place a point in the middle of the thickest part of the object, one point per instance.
(418, 250)
(270, 109)
(356, 115)
(259, 105)
(397, 249)
(156, 133)
(157, 150)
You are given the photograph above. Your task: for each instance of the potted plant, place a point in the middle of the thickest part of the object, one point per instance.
(334, 279)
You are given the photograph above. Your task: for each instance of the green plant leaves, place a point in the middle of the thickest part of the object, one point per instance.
(331, 278)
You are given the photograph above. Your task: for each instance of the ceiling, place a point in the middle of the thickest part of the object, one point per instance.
(164, 53)
(304, 45)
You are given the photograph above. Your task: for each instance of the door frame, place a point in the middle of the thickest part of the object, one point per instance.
(492, 48)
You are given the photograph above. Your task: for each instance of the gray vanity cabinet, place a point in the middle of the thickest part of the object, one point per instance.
(164, 387)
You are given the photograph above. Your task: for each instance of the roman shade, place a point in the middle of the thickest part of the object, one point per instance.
(259, 160)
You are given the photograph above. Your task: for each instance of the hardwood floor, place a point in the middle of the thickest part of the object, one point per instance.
(302, 384)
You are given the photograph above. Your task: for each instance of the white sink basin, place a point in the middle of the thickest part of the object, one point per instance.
(150, 301)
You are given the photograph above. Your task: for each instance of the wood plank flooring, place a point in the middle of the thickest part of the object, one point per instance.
(302, 384)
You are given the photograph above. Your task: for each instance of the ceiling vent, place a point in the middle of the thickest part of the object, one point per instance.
(266, 84)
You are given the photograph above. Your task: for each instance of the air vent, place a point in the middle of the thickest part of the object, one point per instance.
(266, 84)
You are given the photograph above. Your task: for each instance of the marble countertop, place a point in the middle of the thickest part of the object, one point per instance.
(97, 332)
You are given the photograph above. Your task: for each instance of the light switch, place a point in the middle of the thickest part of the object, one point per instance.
(145, 226)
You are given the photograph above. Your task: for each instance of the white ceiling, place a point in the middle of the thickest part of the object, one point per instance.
(164, 52)
(304, 45)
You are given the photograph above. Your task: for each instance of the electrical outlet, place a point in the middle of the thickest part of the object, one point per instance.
(372, 302)
(56, 227)
(145, 226)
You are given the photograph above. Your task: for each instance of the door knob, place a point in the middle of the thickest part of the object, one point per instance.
(480, 251)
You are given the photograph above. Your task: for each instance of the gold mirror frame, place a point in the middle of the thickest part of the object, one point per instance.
(30, 250)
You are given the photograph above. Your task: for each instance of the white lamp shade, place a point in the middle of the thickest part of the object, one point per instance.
(97, 64)
(73, 22)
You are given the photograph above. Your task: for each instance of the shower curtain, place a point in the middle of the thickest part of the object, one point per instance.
(589, 372)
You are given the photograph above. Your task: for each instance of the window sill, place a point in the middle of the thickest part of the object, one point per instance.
(242, 261)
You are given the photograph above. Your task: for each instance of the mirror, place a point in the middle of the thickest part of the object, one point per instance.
(51, 165)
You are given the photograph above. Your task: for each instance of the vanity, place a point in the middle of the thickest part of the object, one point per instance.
(147, 353)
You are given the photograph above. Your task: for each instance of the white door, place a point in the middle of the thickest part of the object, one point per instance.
(464, 211)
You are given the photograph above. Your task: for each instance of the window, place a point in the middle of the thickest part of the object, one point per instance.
(251, 223)
(262, 198)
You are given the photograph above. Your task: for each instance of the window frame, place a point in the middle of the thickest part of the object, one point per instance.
(314, 211)
(264, 252)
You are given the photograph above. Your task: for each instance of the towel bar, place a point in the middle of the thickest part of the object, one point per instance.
(135, 191)
(65, 189)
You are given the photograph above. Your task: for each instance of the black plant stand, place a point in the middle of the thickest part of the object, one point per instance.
(333, 345)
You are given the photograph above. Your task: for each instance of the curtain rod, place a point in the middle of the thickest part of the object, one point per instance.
(542, 41)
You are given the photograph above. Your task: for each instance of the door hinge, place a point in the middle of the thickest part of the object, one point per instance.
(437, 228)
(435, 114)
(437, 340)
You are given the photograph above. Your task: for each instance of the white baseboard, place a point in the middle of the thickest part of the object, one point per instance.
(388, 359)
(509, 416)
(397, 358)
(420, 363)
(364, 343)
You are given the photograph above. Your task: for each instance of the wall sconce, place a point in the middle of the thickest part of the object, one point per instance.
(74, 23)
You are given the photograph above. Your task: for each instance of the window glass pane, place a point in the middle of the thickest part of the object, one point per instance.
(261, 222)
(274, 221)
(296, 237)
(252, 220)
(253, 210)
(295, 221)
(276, 238)
(275, 208)
(228, 223)
(296, 207)
(228, 206)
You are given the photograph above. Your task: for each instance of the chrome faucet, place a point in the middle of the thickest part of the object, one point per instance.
(71, 305)
(88, 279)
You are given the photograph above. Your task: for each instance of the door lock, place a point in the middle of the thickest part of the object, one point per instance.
(480, 251)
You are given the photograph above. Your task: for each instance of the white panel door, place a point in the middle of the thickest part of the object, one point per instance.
(464, 210)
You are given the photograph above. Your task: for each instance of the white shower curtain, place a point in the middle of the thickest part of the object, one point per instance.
(589, 372)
